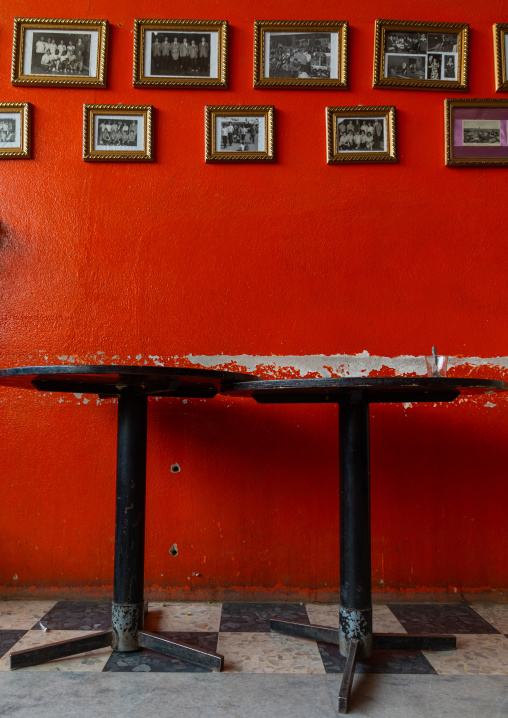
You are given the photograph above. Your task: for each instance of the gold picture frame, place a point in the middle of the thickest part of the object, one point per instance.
(241, 133)
(287, 55)
(420, 55)
(476, 132)
(158, 62)
(501, 56)
(117, 133)
(65, 53)
(361, 134)
(15, 130)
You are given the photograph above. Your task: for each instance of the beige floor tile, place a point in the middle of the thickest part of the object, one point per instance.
(22, 614)
(91, 661)
(476, 655)
(328, 615)
(268, 653)
(169, 616)
(495, 613)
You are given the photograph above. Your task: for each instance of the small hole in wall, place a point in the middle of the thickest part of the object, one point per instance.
(175, 468)
(174, 550)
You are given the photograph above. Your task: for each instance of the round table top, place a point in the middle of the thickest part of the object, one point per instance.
(112, 380)
(376, 389)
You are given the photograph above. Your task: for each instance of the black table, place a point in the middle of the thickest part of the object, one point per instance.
(132, 385)
(354, 396)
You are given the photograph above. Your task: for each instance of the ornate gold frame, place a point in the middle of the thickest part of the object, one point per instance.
(90, 151)
(261, 27)
(141, 79)
(212, 112)
(451, 160)
(384, 26)
(22, 24)
(23, 110)
(334, 156)
(501, 56)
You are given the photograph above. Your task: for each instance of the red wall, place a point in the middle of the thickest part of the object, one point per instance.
(296, 268)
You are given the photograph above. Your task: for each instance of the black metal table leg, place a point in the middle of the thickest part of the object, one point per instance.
(128, 607)
(348, 675)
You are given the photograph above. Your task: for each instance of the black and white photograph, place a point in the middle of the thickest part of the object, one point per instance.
(242, 133)
(406, 66)
(176, 53)
(418, 54)
(301, 55)
(406, 43)
(298, 53)
(181, 54)
(14, 130)
(361, 134)
(434, 66)
(60, 52)
(481, 132)
(116, 135)
(118, 132)
(9, 130)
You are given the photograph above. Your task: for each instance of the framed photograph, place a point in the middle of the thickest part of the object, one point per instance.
(14, 130)
(424, 55)
(117, 133)
(361, 134)
(501, 55)
(476, 133)
(239, 134)
(180, 53)
(300, 54)
(67, 53)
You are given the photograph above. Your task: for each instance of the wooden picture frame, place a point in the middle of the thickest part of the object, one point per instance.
(420, 55)
(361, 134)
(117, 133)
(476, 133)
(65, 53)
(501, 56)
(241, 133)
(180, 53)
(15, 130)
(293, 53)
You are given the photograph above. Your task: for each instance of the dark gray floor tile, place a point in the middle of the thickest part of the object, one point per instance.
(8, 639)
(77, 616)
(255, 617)
(147, 661)
(404, 662)
(440, 618)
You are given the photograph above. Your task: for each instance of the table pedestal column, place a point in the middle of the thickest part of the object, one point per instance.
(127, 612)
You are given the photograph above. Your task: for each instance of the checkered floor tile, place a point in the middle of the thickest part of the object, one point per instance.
(241, 633)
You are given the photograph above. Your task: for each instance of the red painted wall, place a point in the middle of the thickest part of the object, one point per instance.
(125, 263)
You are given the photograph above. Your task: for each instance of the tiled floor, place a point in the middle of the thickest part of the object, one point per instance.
(241, 633)
(266, 675)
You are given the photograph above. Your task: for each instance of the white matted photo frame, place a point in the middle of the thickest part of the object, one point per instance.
(180, 53)
(476, 132)
(420, 55)
(65, 53)
(361, 134)
(117, 133)
(300, 54)
(15, 130)
(501, 56)
(241, 133)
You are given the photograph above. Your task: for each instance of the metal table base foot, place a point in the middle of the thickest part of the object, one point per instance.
(348, 675)
(191, 654)
(62, 649)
